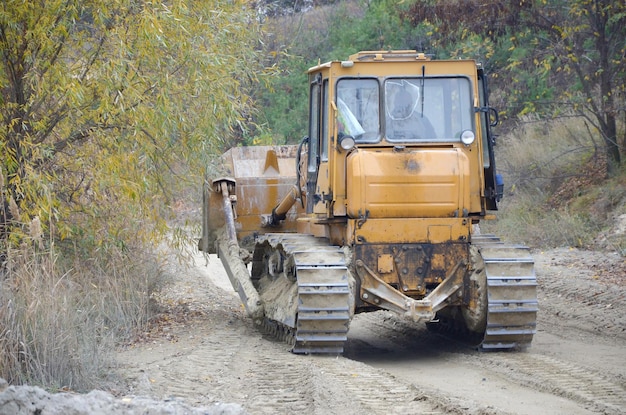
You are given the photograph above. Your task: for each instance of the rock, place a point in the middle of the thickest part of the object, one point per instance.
(28, 400)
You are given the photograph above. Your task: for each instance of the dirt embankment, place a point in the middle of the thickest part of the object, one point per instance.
(206, 356)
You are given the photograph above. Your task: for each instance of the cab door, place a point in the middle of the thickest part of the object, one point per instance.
(318, 192)
(492, 192)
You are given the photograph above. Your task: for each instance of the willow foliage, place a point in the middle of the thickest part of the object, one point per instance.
(101, 101)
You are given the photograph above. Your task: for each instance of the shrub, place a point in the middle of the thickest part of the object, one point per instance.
(59, 321)
(557, 191)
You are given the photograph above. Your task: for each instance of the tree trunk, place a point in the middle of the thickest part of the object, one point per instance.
(623, 110)
(610, 139)
(608, 124)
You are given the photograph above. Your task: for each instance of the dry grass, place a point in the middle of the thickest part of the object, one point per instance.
(59, 324)
(557, 192)
(539, 155)
(65, 305)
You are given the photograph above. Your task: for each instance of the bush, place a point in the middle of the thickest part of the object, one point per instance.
(526, 217)
(60, 322)
(557, 190)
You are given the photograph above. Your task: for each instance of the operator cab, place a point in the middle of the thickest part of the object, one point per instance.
(399, 100)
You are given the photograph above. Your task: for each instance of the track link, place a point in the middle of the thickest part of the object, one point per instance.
(511, 293)
(324, 298)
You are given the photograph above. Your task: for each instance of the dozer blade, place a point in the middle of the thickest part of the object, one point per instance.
(259, 177)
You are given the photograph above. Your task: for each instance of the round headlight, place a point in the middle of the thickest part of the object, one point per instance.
(467, 137)
(347, 142)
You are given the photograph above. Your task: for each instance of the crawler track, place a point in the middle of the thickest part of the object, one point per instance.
(511, 293)
(314, 315)
(507, 273)
(305, 287)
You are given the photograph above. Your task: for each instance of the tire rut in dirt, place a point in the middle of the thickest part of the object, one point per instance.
(278, 386)
(400, 336)
(228, 362)
(595, 391)
(199, 373)
(590, 305)
(283, 383)
(544, 373)
(376, 392)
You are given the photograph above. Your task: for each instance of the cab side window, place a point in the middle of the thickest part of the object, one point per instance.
(358, 113)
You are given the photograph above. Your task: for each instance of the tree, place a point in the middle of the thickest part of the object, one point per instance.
(101, 101)
(330, 30)
(588, 40)
(557, 52)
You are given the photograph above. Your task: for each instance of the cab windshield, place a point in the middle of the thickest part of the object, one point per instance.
(427, 109)
(414, 109)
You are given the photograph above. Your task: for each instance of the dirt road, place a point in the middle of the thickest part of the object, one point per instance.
(205, 350)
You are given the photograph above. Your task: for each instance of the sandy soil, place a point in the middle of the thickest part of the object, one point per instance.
(205, 351)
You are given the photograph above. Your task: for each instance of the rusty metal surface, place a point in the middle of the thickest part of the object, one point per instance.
(408, 230)
(378, 293)
(260, 161)
(237, 272)
(259, 177)
(413, 269)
